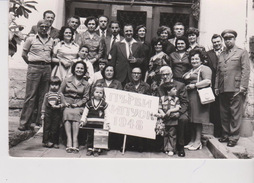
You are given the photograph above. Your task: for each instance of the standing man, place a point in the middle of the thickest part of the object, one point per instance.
(103, 24)
(231, 85)
(114, 38)
(178, 32)
(212, 58)
(74, 23)
(126, 55)
(36, 53)
(50, 16)
(182, 115)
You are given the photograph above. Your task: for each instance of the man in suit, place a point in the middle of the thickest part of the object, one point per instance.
(74, 23)
(50, 16)
(178, 32)
(212, 59)
(111, 40)
(126, 55)
(103, 24)
(231, 85)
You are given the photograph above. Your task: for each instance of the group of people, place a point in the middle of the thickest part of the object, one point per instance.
(68, 71)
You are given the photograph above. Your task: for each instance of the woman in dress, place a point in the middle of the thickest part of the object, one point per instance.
(64, 53)
(108, 80)
(198, 113)
(76, 92)
(141, 37)
(93, 41)
(179, 61)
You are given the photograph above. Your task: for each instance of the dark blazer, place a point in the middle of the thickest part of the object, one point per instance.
(233, 70)
(212, 60)
(54, 33)
(107, 45)
(120, 61)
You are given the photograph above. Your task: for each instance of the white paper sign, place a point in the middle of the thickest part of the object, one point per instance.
(131, 113)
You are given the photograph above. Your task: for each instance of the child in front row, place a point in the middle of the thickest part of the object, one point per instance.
(169, 113)
(94, 116)
(51, 113)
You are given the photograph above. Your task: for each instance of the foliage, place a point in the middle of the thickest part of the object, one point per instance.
(195, 9)
(21, 7)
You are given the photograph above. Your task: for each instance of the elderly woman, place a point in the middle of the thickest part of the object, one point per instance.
(179, 61)
(141, 32)
(76, 92)
(163, 33)
(199, 113)
(93, 41)
(108, 80)
(64, 53)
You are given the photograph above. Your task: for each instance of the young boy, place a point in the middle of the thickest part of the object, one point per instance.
(102, 63)
(83, 55)
(169, 113)
(51, 113)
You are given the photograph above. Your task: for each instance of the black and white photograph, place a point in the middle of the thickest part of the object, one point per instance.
(164, 80)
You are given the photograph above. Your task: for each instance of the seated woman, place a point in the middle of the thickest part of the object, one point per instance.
(156, 62)
(64, 53)
(137, 86)
(76, 93)
(108, 80)
(198, 113)
(179, 61)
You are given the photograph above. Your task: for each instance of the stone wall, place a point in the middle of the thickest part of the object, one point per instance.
(17, 86)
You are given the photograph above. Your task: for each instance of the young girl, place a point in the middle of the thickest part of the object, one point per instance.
(169, 113)
(93, 116)
(51, 113)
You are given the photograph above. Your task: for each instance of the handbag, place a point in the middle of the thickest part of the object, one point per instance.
(205, 94)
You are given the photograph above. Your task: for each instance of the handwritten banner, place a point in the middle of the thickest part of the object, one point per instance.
(131, 113)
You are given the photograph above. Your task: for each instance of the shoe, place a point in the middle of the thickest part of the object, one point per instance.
(48, 144)
(188, 146)
(75, 150)
(170, 153)
(69, 150)
(231, 143)
(192, 148)
(166, 152)
(96, 154)
(89, 152)
(22, 128)
(56, 146)
(223, 139)
(181, 152)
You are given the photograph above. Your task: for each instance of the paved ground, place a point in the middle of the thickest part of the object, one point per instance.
(33, 148)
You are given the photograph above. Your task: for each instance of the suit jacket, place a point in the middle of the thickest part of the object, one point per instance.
(212, 60)
(54, 33)
(120, 61)
(107, 45)
(233, 70)
(108, 32)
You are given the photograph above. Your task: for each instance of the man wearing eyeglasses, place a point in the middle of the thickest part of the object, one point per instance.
(36, 53)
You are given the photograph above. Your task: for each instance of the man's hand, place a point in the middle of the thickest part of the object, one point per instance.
(243, 90)
(216, 91)
(132, 60)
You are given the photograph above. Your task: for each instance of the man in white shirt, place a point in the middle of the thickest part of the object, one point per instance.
(178, 32)
(74, 23)
(114, 38)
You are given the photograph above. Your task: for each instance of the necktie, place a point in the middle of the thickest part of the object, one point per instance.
(113, 42)
(103, 33)
(130, 51)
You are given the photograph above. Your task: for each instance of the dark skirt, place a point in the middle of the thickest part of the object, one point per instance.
(198, 112)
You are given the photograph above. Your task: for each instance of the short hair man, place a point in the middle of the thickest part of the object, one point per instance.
(167, 77)
(36, 53)
(126, 55)
(231, 85)
(103, 24)
(178, 30)
(50, 16)
(115, 37)
(74, 23)
(212, 59)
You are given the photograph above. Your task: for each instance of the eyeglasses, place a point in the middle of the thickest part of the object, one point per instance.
(138, 73)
